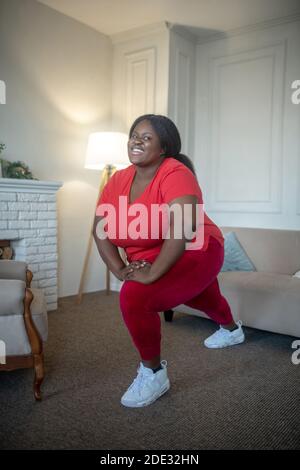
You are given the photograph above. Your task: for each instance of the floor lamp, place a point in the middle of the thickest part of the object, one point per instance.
(106, 151)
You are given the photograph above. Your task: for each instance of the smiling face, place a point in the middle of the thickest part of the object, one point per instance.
(144, 148)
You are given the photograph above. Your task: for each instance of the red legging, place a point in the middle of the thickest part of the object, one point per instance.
(192, 281)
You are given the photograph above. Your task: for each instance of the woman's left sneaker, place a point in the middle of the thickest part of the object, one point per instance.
(223, 338)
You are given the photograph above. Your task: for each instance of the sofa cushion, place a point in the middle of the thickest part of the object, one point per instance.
(270, 250)
(235, 259)
(269, 283)
(264, 300)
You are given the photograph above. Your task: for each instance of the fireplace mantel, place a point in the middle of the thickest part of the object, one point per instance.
(28, 218)
(28, 186)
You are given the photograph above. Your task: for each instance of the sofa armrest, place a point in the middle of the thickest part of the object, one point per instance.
(10, 269)
(12, 293)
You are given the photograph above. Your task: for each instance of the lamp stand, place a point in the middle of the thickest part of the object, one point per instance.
(107, 172)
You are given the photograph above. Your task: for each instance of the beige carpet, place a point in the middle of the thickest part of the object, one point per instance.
(244, 397)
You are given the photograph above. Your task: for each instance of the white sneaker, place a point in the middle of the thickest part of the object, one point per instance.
(222, 337)
(146, 387)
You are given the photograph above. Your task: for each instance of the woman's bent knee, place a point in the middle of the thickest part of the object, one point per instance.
(133, 296)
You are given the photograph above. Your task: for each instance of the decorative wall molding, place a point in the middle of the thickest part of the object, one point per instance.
(184, 31)
(182, 98)
(265, 56)
(140, 83)
(28, 186)
(248, 29)
(137, 33)
(140, 77)
(228, 109)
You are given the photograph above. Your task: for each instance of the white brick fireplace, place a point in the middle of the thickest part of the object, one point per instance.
(28, 218)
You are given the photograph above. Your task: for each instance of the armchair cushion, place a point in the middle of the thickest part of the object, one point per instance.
(14, 335)
(10, 269)
(12, 327)
(12, 295)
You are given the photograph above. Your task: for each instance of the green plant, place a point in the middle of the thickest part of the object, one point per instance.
(17, 169)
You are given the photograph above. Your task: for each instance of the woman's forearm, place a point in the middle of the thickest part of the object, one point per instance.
(173, 247)
(111, 256)
(109, 253)
(170, 252)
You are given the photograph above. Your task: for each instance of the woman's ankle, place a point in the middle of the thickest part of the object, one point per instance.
(230, 326)
(152, 363)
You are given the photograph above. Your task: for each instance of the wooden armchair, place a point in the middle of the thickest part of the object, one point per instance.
(23, 322)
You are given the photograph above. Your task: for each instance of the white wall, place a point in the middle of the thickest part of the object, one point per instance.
(247, 129)
(58, 82)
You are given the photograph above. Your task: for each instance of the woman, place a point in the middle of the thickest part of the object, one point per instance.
(163, 271)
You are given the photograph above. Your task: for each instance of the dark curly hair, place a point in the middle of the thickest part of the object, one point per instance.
(168, 135)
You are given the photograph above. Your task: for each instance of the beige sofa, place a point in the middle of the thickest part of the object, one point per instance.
(268, 299)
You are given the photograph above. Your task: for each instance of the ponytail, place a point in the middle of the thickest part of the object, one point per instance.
(185, 160)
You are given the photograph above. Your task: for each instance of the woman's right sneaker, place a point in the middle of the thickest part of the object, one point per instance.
(147, 387)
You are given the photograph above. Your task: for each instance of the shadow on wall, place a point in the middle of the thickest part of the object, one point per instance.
(198, 35)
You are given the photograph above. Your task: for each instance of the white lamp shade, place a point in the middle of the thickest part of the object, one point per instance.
(107, 148)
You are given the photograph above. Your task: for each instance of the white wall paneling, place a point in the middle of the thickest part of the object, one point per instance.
(181, 104)
(231, 100)
(140, 83)
(140, 74)
(247, 130)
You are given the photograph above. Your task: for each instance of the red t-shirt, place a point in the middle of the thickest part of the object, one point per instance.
(171, 180)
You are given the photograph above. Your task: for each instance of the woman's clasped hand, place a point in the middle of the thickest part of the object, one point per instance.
(138, 270)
